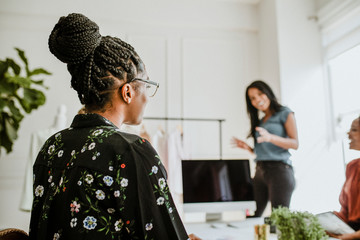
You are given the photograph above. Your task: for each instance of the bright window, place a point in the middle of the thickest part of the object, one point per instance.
(345, 92)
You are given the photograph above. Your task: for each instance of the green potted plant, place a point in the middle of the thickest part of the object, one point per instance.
(19, 95)
(296, 225)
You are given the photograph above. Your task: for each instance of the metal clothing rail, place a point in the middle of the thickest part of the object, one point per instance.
(195, 119)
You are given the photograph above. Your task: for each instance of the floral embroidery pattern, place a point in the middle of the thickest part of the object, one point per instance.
(93, 189)
(160, 201)
(124, 182)
(56, 236)
(148, 226)
(75, 207)
(73, 222)
(89, 178)
(90, 223)
(100, 195)
(39, 191)
(118, 225)
(154, 170)
(108, 180)
(162, 183)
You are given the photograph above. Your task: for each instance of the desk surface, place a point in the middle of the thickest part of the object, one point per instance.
(239, 230)
(242, 230)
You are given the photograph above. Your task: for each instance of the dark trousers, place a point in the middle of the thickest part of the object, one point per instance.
(274, 181)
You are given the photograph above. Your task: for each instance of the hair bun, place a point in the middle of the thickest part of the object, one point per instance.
(73, 38)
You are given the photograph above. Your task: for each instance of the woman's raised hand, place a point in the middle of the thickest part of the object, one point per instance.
(240, 144)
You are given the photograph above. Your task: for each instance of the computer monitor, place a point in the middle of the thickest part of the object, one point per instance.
(216, 186)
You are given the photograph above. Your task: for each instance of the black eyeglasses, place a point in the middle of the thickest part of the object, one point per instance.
(151, 87)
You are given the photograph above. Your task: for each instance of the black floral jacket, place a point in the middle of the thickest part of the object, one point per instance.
(92, 181)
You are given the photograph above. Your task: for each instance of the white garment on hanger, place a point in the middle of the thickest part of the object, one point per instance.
(159, 142)
(36, 142)
(176, 153)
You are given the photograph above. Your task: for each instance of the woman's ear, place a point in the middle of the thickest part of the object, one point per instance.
(127, 93)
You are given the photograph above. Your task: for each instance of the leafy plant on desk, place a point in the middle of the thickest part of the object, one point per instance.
(295, 225)
(18, 96)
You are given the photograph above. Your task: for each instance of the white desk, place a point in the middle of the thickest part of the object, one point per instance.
(242, 230)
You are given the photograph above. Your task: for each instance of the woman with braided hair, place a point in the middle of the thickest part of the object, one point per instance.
(92, 181)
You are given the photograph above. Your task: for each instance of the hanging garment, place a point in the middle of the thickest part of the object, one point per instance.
(159, 142)
(176, 153)
(36, 141)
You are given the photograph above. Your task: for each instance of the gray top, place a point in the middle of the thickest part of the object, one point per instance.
(275, 125)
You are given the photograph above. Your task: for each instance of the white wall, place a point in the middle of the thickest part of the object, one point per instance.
(203, 53)
(269, 46)
(318, 166)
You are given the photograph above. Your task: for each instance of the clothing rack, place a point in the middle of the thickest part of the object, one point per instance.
(220, 121)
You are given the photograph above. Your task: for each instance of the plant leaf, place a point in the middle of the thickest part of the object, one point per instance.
(14, 66)
(10, 130)
(5, 141)
(21, 81)
(4, 65)
(13, 86)
(32, 99)
(40, 83)
(7, 87)
(16, 114)
(21, 54)
(38, 71)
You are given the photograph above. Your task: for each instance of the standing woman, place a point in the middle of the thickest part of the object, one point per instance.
(274, 134)
(92, 181)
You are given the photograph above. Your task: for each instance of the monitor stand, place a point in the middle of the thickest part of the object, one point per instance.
(230, 216)
(213, 217)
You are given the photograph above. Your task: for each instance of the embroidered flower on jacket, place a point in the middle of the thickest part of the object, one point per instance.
(60, 153)
(75, 207)
(51, 149)
(100, 195)
(110, 210)
(39, 191)
(56, 236)
(83, 149)
(170, 210)
(111, 168)
(50, 179)
(97, 132)
(89, 222)
(154, 169)
(79, 183)
(124, 182)
(91, 146)
(57, 135)
(108, 180)
(73, 222)
(160, 201)
(148, 226)
(118, 225)
(162, 183)
(117, 193)
(89, 178)
(72, 152)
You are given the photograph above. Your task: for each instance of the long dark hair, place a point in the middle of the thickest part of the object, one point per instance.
(253, 113)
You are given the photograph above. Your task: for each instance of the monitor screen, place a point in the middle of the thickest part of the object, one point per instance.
(216, 181)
